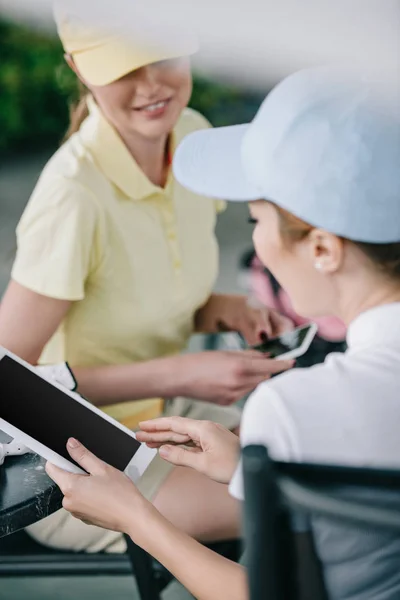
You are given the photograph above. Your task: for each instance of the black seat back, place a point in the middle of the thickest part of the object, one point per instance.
(284, 565)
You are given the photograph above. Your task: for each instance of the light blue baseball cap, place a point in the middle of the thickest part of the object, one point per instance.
(321, 146)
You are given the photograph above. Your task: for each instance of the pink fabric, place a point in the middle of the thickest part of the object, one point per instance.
(329, 328)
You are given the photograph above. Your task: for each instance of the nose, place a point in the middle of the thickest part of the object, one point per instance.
(147, 81)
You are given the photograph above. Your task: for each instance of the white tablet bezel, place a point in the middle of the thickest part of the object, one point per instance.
(135, 468)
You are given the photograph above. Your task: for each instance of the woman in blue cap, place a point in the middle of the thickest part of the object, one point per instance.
(320, 167)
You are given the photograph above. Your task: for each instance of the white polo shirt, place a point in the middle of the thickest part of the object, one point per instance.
(343, 412)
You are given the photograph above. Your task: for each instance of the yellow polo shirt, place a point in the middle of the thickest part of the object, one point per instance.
(137, 260)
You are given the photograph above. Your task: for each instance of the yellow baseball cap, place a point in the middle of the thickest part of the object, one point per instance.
(102, 57)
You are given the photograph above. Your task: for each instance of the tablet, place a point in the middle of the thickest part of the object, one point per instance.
(43, 414)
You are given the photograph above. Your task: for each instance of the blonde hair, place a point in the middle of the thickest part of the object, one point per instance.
(78, 112)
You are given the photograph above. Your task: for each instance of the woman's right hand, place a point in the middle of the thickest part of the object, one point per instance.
(224, 377)
(204, 446)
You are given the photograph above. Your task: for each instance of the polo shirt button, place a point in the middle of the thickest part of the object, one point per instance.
(177, 265)
(172, 236)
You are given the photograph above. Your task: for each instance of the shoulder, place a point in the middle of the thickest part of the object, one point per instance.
(336, 408)
(58, 201)
(267, 421)
(309, 394)
(286, 411)
(344, 411)
(308, 383)
(64, 182)
(68, 161)
(190, 121)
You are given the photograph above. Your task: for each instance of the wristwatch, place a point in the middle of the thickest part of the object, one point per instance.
(61, 374)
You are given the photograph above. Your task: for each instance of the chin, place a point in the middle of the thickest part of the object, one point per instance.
(311, 313)
(304, 310)
(154, 129)
(153, 133)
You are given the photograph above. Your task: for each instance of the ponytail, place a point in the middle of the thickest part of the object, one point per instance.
(78, 111)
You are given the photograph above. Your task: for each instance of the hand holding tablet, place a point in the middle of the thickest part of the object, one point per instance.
(43, 415)
(107, 498)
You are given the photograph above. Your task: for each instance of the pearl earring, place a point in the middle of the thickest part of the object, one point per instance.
(319, 266)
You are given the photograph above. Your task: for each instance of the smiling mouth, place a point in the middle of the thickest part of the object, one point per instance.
(154, 106)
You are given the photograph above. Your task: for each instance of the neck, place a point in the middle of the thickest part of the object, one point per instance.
(377, 293)
(150, 155)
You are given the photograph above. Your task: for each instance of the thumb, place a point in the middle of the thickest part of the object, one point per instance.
(62, 478)
(85, 459)
(180, 456)
(276, 366)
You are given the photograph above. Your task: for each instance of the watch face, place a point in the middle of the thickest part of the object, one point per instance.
(60, 374)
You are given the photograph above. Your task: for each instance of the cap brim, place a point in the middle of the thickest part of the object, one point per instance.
(114, 59)
(209, 163)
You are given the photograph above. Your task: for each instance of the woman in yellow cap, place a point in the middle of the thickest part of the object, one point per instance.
(115, 268)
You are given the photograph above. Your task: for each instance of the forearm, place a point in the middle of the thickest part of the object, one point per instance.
(207, 575)
(210, 318)
(111, 384)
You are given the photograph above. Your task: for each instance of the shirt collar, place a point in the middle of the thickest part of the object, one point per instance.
(113, 157)
(375, 326)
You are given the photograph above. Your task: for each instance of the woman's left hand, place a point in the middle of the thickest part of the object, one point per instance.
(204, 446)
(236, 313)
(105, 497)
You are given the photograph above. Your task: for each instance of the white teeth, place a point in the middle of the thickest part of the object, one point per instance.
(156, 106)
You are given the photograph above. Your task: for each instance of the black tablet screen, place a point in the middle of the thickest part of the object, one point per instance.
(50, 416)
